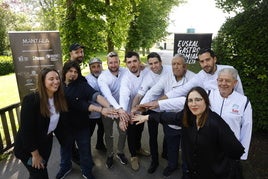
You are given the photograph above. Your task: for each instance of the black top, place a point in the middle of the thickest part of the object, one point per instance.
(78, 94)
(209, 151)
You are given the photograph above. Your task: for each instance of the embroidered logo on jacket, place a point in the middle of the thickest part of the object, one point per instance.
(235, 109)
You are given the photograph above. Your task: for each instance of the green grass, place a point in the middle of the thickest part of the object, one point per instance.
(9, 91)
(8, 95)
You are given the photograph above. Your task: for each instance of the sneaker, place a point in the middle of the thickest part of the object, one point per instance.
(109, 162)
(153, 167)
(134, 163)
(88, 176)
(122, 158)
(63, 173)
(143, 152)
(168, 171)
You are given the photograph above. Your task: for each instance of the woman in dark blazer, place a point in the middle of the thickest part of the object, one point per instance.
(209, 146)
(40, 113)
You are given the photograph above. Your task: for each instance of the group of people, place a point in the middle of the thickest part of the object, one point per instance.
(205, 114)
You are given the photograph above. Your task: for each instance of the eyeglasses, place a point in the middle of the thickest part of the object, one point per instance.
(112, 54)
(194, 100)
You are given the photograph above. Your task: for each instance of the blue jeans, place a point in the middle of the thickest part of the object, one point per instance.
(82, 139)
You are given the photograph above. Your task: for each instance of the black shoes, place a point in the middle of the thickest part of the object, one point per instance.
(168, 171)
(109, 162)
(63, 173)
(152, 167)
(122, 158)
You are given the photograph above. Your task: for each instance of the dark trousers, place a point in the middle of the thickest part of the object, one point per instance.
(36, 173)
(100, 131)
(134, 134)
(100, 134)
(173, 138)
(153, 132)
(45, 153)
(82, 138)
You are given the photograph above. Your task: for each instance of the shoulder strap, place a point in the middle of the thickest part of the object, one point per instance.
(246, 104)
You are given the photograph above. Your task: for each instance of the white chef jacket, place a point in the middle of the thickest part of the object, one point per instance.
(164, 85)
(93, 82)
(236, 114)
(151, 79)
(110, 84)
(204, 80)
(130, 85)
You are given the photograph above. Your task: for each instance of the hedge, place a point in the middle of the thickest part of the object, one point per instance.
(6, 65)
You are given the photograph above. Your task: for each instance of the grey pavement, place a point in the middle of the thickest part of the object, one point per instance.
(12, 168)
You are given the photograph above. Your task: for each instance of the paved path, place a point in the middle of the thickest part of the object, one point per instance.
(14, 169)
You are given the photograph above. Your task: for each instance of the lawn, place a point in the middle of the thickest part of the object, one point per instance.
(9, 91)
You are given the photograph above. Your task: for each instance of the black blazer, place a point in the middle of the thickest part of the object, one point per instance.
(32, 133)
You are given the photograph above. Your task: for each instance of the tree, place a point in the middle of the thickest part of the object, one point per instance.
(242, 42)
(237, 5)
(81, 22)
(97, 24)
(49, 14)
(2, 29)
(9, 21)
(149, 23)
(118, 16)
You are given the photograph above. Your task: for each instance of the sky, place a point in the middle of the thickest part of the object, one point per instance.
(202, 15)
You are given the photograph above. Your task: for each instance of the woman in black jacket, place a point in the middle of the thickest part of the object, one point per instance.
(40, 113)
(208, 144)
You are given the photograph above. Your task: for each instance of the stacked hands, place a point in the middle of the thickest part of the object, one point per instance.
(136, 115)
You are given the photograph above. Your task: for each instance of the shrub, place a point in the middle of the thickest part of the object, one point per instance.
(242, 43)
(6, 65)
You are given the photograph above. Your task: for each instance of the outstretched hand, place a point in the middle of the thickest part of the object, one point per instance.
(123, 115)
(139, 119)
(123, 125)
(150, 105)
(109, 112)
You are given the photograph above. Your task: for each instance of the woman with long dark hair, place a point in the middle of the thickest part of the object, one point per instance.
(40, 113)
(208, 144)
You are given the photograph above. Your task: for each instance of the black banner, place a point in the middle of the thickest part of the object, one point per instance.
(32, 51)
(190, 44)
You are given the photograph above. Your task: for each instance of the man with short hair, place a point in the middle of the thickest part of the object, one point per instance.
(157, 71)
(76, 52)
(206, 78)
(95, 68)
(75, 125)
(179, 77)
(109, 83)
(130, 84)
(233, 107)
